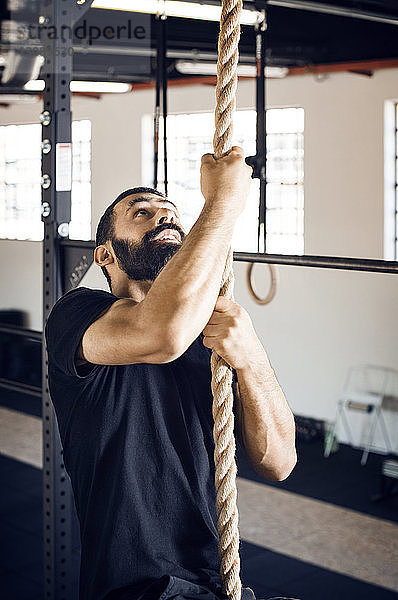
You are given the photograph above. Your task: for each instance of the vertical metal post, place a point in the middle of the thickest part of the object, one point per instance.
(261, 136)
(164, 95)
(56, 20)
(161, 96)
(157, 108)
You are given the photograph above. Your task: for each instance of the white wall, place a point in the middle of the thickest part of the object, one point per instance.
(321, 321)
(21, 277)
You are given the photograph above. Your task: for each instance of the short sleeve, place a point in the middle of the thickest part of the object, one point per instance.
(67, 322)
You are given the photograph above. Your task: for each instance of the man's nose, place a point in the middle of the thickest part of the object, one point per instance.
(164, 215)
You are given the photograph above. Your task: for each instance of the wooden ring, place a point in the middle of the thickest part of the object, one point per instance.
(273, 287)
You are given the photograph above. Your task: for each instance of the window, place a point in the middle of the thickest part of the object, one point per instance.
(20, 174)
(396, 184)
(391, 180)
(190, 135)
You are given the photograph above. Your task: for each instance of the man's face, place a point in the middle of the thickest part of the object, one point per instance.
(147, 234)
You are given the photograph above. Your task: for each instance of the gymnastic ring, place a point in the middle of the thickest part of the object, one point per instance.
(273, 287)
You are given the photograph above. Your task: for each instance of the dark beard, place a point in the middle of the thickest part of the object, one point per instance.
(144, 261)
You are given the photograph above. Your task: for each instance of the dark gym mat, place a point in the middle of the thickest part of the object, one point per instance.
(31, 405)
(267, 573)
(273, 574)
(339, 479)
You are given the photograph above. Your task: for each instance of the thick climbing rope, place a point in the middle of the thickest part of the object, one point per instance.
(223, 430)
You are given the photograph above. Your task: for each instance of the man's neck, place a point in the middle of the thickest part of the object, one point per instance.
(128, 288)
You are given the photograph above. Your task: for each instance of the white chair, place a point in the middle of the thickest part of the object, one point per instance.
(365, 389)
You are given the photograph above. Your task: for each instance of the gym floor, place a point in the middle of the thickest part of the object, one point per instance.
(317, 535)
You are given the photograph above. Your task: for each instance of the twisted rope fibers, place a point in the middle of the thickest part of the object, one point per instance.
(223, 430)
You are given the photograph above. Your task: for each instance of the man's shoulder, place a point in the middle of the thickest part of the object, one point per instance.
(81, 293)
(75, 299)
(69, 318)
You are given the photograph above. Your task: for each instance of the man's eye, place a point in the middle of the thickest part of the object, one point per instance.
(140, 210)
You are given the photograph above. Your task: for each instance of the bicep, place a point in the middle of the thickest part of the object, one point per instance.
(124, 334)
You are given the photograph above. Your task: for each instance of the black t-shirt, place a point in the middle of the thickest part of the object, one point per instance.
(138, 447)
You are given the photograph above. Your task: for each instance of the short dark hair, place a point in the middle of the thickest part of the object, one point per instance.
(105, 227)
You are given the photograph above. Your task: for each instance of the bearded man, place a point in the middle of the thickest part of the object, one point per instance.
(129, 376)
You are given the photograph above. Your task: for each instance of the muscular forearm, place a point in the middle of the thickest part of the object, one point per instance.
(267, 423)
(183, 295)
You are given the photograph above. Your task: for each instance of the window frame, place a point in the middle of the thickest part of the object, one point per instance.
(31, 235)
(396, 180)
(147, 149)
(390, 180)
(388, 264)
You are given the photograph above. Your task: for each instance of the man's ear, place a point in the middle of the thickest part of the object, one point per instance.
(103, 256)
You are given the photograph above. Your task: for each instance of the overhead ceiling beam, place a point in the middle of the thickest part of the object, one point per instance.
(338, 11)
(180, 82)
(364, 66)
(360, 67)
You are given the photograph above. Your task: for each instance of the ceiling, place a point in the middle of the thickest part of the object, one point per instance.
(296, 37)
